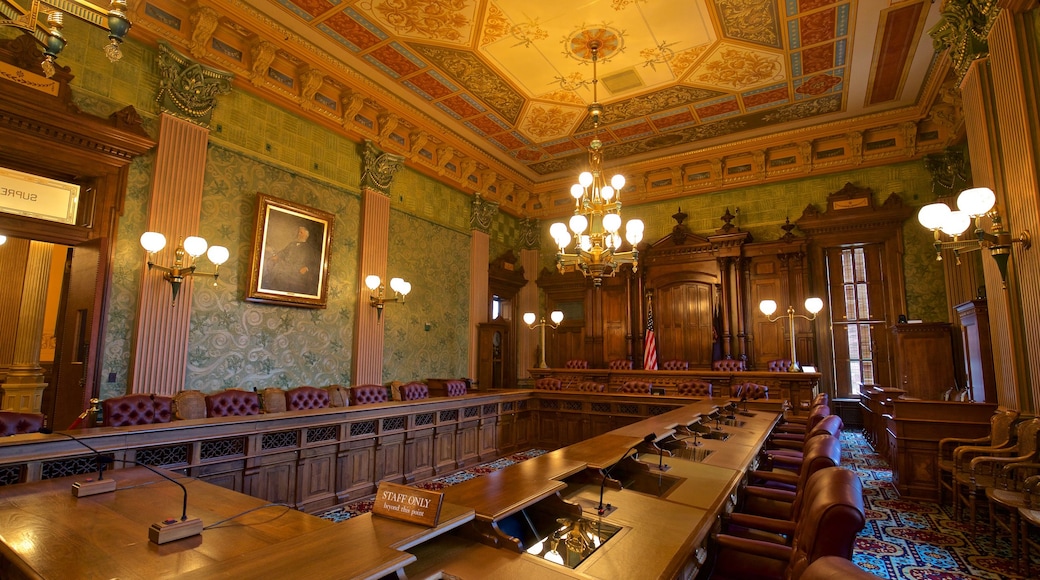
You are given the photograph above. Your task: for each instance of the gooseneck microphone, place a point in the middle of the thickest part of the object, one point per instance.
(605, 509)
(171, 529)
(90, 486)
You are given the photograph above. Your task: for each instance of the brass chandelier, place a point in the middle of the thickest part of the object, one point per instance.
(595, 225)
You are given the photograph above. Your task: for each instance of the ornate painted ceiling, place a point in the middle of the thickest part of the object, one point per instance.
(493, 94)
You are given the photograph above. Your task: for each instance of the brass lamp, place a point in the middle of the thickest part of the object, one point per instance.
(193, 246)
(378, 298)
(813, 305)
(529, 318)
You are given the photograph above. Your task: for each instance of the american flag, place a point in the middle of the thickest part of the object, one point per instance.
(650, 344)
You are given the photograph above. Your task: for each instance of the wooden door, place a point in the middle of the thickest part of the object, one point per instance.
(856, 290)
(683, 323)
(494, 356)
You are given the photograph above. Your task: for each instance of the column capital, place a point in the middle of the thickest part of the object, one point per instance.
(963, 28)
(529, 234)
(379, 167)
(187, 89)
(482, 214)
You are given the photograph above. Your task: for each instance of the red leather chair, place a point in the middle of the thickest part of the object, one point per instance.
(306, 397)
(621, 364)
(137, 409)
(548, 384)
(797, 437)
(789, 455)
(637, 387)
(694, 389)
(780, 365)
(18, 423)
(414, 391)
(576, 364)
(367, 394)
(675, 365)
(827, 526)
(728, 365)
(455, 388)
(590, 387)
(232, 403)
(836, 568)
(752, 390)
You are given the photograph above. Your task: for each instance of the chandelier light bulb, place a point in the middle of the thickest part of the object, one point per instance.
(577, 191)
(768, 307)
(586, 243)
(618, 182)
(976, 201)
(813, 305)
(195, 246)
(955, 223)
(579, 223)
(607, 193)
(529, 318)
(635, 225)
(556, 316)
(153, 241)
(372, 282)
(611, 222)
(585, 179)
(933, 215)
(218, 254)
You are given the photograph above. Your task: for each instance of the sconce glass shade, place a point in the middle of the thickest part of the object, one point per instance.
(3, 240)
(529, 318)
(372, 282)
(768, 307)
(556, 316)
(813, 305)
(153, 241)
(955, 223)
(195, 246)
(406, 287)
(976, 201)
(396, 284)
(218, 254)
(933, 215)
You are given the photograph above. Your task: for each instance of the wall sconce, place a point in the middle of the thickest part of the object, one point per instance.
(813, 305)
(529, 318)
(193, 246)
(972, 203)
(377, 299)
(3, 239)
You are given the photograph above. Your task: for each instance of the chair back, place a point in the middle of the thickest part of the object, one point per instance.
(18, 423)
(779, 365)
(590, 387)
(694, 389)
(835, 568)
(576, 364)
(1027, 443)
(728, 365)
(753, 391)
(232, 403)
(1000, 425)
(819, 453)
(306, 397)
(367, 394)
(830, 519)
(675, 365)
(637, 387)
(548, 384)
(621, 364)
(339, 396)
(820, 399)
(414, 391)
(272, 400)
(189, 405)
(136, 409)
(455, 388)
(829, 425)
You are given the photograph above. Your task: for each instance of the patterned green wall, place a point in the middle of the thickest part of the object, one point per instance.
(763, 209)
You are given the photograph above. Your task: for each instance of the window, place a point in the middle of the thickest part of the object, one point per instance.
(856, 288)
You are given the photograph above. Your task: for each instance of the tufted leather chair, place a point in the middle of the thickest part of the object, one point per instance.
(789, 454)
(780, 365)
(455, 388)
(793, 433)
(137, 409)
(339, 396)
(621, 364)
(637, 387)
(17, 423)
(675, 365)
(232, 403)
(414, 391)
(694, 389)
(827, 526)
(272, 400)
(189, 405)
(590, 387)
(306, 397)
(576, 364)
(752, 390)
(367, 394)
(548, 384)
(835, 568)
(728, 365)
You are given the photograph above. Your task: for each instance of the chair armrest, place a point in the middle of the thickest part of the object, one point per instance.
(1031, 485)
(778, 476)
(785, 444)
(762, 523)
(756, 547)
(961, 441)
(970, 450)
(978, 463)
(781, 495)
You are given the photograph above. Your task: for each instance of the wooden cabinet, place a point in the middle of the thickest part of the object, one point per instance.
(923, 359)
(979, 377)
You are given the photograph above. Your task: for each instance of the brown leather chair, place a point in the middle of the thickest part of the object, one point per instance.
(367, 394)
(789, 455)
(773, 494)
(339, 396)
(189, 405)
(19, 423)
(780, 365)
(272, 400)
(636, 387)
(797, 423)
(306, 397)
(751, 390)
(590, 387)
(548, 384)
(232, 403)
(675, 365)
(836, 568)
(455, 388)
(414, 391)
(576, 364)
(728, 365)
(136, 409)
(818, 413)
(827, 526)
(694, 389)
(621, 364)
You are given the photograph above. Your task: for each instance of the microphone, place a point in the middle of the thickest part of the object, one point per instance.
(606, 509)
(90, 486)
(171, 529)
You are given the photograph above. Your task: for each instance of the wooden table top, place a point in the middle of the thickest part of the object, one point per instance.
(509, 490)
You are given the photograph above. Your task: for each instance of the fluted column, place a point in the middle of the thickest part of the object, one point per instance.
(12, 262)
(527, 299)
(479, 257)
(23, 388)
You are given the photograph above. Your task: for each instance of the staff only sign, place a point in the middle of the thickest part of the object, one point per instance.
(410, 504)
(38, 197)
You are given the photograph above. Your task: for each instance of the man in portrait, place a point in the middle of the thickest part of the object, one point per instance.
(295, 267)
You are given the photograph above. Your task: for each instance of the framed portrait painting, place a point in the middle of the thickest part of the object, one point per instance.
(290, 264)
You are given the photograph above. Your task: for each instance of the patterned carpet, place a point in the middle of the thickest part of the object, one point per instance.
(902, 539)
(914, 539)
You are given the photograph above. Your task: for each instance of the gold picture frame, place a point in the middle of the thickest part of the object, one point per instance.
(290, 263)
